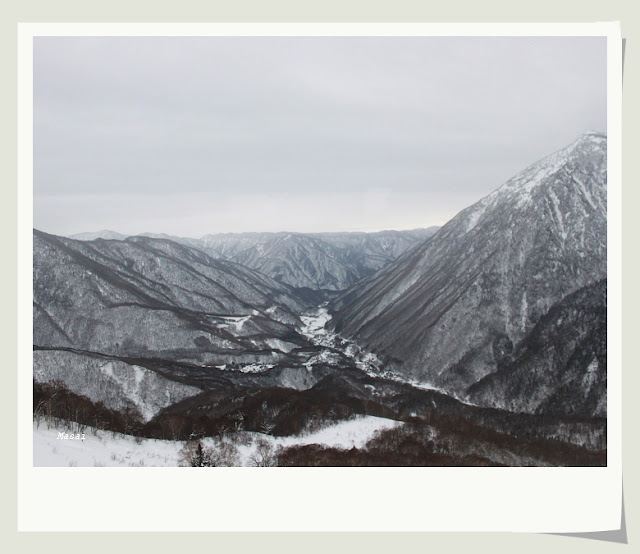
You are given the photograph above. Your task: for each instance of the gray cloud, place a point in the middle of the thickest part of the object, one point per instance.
(198, 135)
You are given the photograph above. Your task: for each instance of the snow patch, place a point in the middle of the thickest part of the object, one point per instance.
(524, 308)
(353, 433)
(131, 386)
(473, 217)
(590, 376)
(237, 322)
(279, 344)
(555, 204)
(247, 368)
(585, 192)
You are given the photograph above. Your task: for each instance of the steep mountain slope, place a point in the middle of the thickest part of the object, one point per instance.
(116, 384)
(444, 312)
(561, 366)
(155, 298)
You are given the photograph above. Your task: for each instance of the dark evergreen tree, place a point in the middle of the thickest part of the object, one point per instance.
(200, 458)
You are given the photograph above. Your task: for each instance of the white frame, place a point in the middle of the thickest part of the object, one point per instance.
(557, 500)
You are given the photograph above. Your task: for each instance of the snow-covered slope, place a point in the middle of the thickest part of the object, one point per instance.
(444, 312)
(155, 298)
(100, 449)
(106, 449)
(117, 384)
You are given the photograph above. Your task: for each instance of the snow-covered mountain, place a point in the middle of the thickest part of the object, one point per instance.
(445, 312)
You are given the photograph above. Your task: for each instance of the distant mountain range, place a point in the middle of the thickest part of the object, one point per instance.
(321, 262)
(104, 234)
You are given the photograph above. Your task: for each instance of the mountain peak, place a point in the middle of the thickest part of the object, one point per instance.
(593, 134)
(588, 139)
(589, 149)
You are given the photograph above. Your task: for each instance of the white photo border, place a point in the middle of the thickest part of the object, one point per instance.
(559, 500)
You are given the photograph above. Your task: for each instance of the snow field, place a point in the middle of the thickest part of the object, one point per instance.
(104, 449)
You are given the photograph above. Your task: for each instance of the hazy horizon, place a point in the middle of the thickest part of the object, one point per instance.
(280, 232)
(190, 136)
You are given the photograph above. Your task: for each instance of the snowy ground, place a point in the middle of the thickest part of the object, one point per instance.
(247, 368)
(103, 449)
(314, 322)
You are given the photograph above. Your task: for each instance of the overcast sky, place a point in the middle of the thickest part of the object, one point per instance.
(190, 136)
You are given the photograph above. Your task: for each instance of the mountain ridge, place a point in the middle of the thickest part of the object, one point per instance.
(321, 262)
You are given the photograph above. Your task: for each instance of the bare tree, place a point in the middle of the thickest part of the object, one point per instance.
(176, 424)
(264, 455)
(39, 412)
(187, 452)
(267, 426)
(238, 422)
(225, 454)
